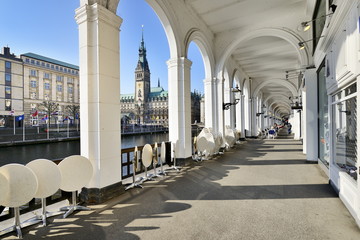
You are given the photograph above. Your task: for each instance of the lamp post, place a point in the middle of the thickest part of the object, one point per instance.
(236, 91)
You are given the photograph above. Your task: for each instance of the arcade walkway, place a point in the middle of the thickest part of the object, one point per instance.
(261, 189)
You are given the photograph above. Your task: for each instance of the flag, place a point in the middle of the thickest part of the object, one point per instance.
(35, 114)
(12, 112)
(77, 116)
(19, 118)
(66, 118)
(45, 118)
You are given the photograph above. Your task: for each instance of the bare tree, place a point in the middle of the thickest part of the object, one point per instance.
(72, 110)
(49, 107)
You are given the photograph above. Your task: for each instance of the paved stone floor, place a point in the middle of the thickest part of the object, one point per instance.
(261, 189)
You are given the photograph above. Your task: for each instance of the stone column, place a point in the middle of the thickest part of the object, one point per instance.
(253, 123)
(215, 105)
(220, 104)
(99, 99)
(227, 99)
(242, 117)
(311, 115)
(180, 107)
(209, 103)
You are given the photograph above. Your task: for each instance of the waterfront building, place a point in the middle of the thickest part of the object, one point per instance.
(47, 79)
(11, 88)
(149, 105)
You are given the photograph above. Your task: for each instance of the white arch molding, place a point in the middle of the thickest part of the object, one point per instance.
(282, 33)
(291, 87)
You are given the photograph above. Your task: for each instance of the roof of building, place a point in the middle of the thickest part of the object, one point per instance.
(154, 92)
(158, 92)
(50, 60)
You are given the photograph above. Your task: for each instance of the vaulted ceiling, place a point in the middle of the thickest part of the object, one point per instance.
(263, 58)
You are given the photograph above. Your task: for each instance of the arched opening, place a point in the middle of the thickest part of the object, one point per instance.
(144, 75)
(197, 76)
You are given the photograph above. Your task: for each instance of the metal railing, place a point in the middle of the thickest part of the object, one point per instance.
(127, 155)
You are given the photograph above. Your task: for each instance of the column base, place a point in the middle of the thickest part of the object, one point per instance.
(184, 161)
(100, 195)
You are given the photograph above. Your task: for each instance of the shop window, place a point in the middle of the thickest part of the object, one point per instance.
(345, 120)
(323, 118)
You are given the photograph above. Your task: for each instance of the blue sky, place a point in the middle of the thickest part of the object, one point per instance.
(48, 28)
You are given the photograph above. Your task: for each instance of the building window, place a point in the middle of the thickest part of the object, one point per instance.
(323, 118)
(48, 65)
(8, 90)
(59, 78)
(59, 88)
(47, 75)
(319, 21)
(33, 73)
(70, 80)
(32, 61)
(70, 89)
(7, 65)
(33, 84)
(27, 60)
(7, 105)
(33, 95)
(57, 67)
(7, 77)
(70, 99)
(52, 66)
(59, 98)
(37, 63)
(344, 121)
(47, 86)
(42, 64)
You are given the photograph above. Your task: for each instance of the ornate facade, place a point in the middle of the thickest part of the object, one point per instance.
(47, 79)
(149, 105)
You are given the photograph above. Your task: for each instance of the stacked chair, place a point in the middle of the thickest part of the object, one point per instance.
(41, 178)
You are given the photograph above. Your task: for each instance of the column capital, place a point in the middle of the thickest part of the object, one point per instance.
(173, 62)
(96, 12)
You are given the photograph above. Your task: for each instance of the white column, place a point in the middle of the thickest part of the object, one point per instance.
(100, 92)
(311, 116)
(227, 113)
(220, 102)
(238, 115)
(242, 117)
(215, 105)
(253, 125)
(180, 105)
(296, 126)
(209, 103)
(303, 122)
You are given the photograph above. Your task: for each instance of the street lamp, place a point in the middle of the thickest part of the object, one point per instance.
(236, 91)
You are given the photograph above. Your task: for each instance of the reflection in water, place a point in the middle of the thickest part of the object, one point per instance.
(24, 154)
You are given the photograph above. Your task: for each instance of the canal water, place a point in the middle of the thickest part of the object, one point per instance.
(53, 151)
